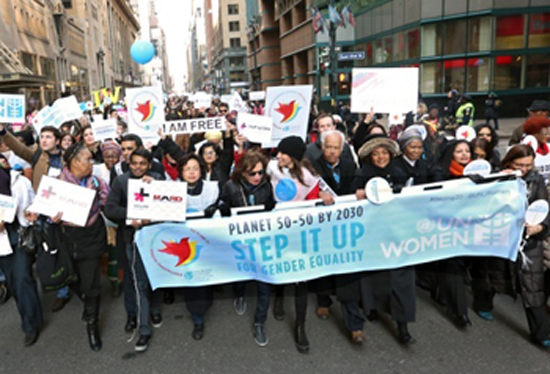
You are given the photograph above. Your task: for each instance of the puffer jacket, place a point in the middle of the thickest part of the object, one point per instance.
(236, 194)
(504, 276)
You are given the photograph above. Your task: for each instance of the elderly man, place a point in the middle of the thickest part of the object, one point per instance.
(337, 174)
(325, 122)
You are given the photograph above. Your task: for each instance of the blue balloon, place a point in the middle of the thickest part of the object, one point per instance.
(142, 51)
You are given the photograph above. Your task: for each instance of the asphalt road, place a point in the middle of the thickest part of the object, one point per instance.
(499, 346)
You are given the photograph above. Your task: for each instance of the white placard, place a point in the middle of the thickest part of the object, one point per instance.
(202, 100)
(194, 125)
(378, 191)
(7, 208)
(479, 167)
(256, 95)
(465, 133)
(536, 212)
(531, 141)
(237, 104)
(396, 119)
(62, 110)
(542, 163)
(225, 98)
(157, 201)
(5, 245)
(255, 128)
(386, 90)
(55, 196)
(145, 111)
(104, 129)
(12, 108)
(288, 107)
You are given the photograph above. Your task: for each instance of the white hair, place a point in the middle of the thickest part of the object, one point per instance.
(325, 134)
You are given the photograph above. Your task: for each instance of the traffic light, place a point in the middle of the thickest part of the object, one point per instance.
(344, 84)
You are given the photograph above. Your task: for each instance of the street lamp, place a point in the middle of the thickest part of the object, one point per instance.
(101, 58)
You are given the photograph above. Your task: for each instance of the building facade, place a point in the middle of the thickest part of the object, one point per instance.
(197, 65)
(225, 27)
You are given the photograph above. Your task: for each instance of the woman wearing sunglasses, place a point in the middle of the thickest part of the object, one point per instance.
(248, 186)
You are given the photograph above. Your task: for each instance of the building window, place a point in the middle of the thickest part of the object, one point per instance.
(234, 26)
(478, 74)
(431, 39)
(480, 34)
(235, 42)
(367, 48)
(455, 37)
(380, 53)
(399, 50)
(236, 62)
(453, 73)
(538, 73)
(510, 32)
(413, 43)
(233, 9)
(388, 46)
(29, 61)
(507, 72)
(539, 30)
(430, 76)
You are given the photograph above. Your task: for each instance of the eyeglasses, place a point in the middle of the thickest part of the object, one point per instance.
(254, 173)
(209, 153)
(223, 110)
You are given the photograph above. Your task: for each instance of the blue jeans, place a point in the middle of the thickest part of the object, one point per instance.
(17, 269)
(262, 299)
(147, 301)
(63, 293)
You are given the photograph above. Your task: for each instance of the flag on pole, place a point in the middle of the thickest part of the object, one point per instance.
(318, 21)
(351, 17)
(345, 16)
(334, 16)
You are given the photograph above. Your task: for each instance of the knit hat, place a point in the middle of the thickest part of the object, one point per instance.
(293, 146)
(375, 141)
(408, 136)
(111, 146)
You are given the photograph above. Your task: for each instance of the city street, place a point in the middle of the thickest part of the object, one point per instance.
(500, 346)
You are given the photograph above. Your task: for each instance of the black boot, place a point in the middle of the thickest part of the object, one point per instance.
(91, 316)
(302, 344)
(403, 334)
(93, 336)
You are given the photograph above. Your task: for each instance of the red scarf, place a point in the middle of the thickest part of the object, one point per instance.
(543, 149)
(456, 169)
(172, 171)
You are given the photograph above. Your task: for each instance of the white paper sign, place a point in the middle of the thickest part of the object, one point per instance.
(256, 95)
(479, 167)
(202, 100)
(531, 141)
(157, 201)
(194, 125)
(7, 208)
(225, 98)
(386, 90)
(465, 133)
(104, 129)
(54, 196)
(237, 104)
(62, 110)
(288, 107)
(542, 163)
(5, 245)
(255, 128)
(378, 191)
(145, 111)
(12, 108)
(536, 212)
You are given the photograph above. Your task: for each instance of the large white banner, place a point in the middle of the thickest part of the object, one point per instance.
(62, 110)
(56, 196)
(12, 108)
(385, 90)
(157, 201)
(145, 111)
(194, 125)
(288, 107)
(255, 128)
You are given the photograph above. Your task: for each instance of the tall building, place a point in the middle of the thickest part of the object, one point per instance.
(226, 34)
(197, 61)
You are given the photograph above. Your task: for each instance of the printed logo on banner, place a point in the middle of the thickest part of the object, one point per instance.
(494, 232)
(287, 110)
(187, 251)
(143, 108)
(12, 108)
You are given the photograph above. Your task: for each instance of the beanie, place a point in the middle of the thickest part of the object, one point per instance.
(408, 136)
(293, 146)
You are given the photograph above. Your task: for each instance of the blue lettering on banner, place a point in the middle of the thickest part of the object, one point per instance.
(286, 246)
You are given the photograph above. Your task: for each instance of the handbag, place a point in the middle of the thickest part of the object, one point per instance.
(29, 239)
(54, 265)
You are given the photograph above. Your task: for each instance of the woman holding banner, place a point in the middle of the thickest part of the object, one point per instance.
(450, 289)
(201, 197)
(392, 291)
(294, 179)
(249, 186)
(526, 275)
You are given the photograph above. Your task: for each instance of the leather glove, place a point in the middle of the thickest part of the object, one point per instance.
(209, 211)
(476, 178)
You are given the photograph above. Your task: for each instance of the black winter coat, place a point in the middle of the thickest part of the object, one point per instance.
(347, 174)
(237, 194)
(420, 172)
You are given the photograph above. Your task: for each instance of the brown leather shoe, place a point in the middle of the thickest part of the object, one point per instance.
(358, 337)
(323, 313)
(59, 304)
